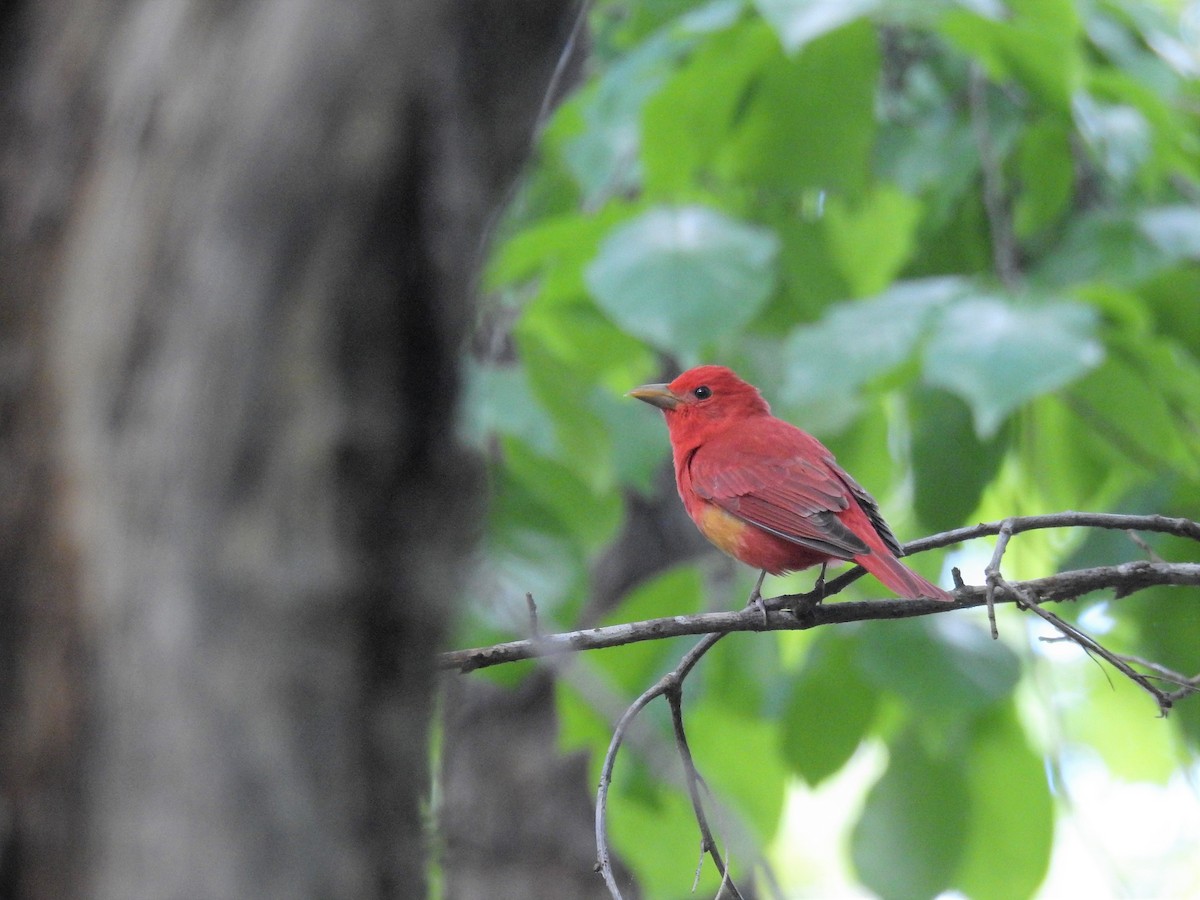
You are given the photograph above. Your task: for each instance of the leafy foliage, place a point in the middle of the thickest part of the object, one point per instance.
(958, 240)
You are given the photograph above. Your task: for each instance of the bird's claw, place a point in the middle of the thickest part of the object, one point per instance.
(756, 598)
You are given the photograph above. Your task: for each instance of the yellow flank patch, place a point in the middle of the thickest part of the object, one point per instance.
(723, 529)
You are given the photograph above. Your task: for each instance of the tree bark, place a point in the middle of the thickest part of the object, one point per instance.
(236, 250)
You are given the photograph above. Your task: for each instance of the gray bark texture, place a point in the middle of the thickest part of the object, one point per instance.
(237, 240)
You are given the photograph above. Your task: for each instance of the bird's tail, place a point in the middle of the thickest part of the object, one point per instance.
(899, 577)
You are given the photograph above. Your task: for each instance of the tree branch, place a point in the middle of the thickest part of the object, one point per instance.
(1125, 578)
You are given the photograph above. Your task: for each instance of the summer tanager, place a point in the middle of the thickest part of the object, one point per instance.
(766, 492)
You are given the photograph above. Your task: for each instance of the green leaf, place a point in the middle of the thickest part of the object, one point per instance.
(603, 154)
(825, 364)
(658, 840)
(686, 123)
(951, 466)
(738, 756)
(1117, 134)
(798, 22)
(1125, 403)
(1102, 247)
(589, 517)
(566, 240)
(1039, 46)
(997, 355)
(634, 667)
(1011, 830)
(581, 338)
(1175, 230)
(872, 241)
(497, 400)
(785, 138)
(683, 277)
(946, 666)
(1046, 168)
(815, 743)
(912, 832)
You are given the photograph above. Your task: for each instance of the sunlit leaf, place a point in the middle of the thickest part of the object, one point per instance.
(798, 22)
(682, 277)
(997, 354)
(872, 240)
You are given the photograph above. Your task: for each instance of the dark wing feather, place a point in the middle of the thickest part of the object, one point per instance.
(871, 508)
(790, 496)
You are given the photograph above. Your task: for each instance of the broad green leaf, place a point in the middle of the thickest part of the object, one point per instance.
(587, 343)
(634, 667)
(740, 672)
(826, 363)
(815, 743)
(1039, 46)
(1117, 135)
(683, 277)
(1103, 247)
(1175, 230)
(945, 666)
(738, 756)
(603, 155)
(580, 726)
(566, 240)
(585, 442)
(1046, 167)
(642, 450)
(872, 240)
(809, 121)
(659, 841)
(810, 277)
(1123, 404)
(686, 123)
(1011, 830)
(590, 517)
(497, 400)
(798, 22)
(951, 466)
(910, 838)
(997, 354)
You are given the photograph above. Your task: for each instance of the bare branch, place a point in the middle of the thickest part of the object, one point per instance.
(1125, 578)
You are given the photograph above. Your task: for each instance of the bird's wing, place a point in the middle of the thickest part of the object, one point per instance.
(792, 491)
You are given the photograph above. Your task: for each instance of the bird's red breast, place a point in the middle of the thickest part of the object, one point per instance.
(767, 493)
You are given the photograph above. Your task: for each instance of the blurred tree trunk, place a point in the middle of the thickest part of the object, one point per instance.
(236, 244)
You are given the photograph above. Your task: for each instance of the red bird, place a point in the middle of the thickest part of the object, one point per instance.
(766, 492)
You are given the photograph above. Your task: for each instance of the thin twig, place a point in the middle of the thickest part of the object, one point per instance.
(535, 630)
(992, 575)
(708, 844)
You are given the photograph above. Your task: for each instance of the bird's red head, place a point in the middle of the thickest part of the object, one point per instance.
(703, 399)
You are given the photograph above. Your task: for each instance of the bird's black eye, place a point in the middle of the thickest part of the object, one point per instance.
(703, 392)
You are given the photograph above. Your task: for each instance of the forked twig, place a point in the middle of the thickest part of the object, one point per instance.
(670, 685)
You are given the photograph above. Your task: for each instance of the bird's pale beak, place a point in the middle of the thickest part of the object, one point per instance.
(656, 395)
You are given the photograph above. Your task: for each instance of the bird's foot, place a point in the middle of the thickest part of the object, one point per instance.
(819, 585)
(756, 598)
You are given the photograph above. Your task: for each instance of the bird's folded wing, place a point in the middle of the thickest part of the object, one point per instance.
(792, 498)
